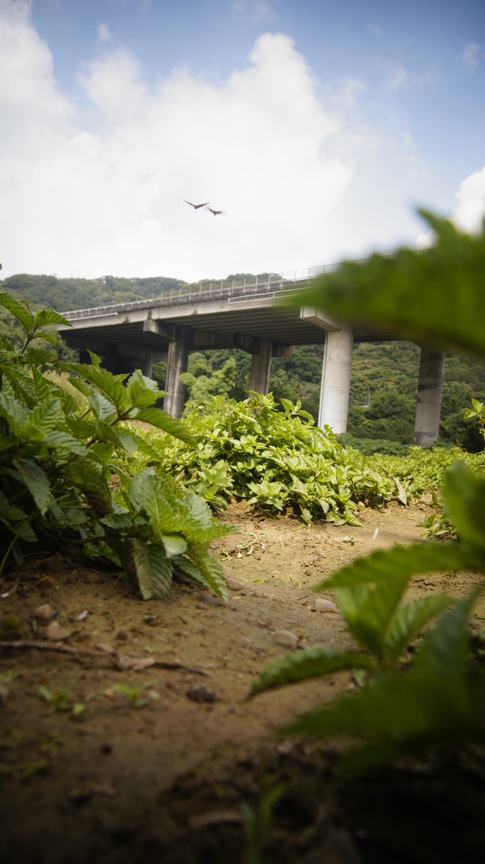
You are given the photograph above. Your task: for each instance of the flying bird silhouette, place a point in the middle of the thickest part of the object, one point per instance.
(216, 212)
(196, 206)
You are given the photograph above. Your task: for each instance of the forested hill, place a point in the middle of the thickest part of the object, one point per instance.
(67, 294)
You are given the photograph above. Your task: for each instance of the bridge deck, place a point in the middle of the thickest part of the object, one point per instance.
(215, 311)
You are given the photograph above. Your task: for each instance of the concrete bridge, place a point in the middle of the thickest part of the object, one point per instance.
(247, 315)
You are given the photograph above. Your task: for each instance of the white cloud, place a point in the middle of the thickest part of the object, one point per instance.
(350, 90)
(99, 190)
(104, 33)
(256, 10)
(471, 55)
(397, 76)
(470, 211)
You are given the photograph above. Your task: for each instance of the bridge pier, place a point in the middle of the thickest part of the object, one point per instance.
(430, 388)
(335, 389)
(260, 368)
(178, 357)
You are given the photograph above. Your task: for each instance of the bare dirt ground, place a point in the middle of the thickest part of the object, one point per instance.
(132, 740)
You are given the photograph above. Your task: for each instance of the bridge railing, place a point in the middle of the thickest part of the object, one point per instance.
(207, 290)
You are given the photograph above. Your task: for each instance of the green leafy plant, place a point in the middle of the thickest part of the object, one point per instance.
(5, 679)
(439, 701)
(438, 705)
(274, 457)
(257, 824)
(65, 428)
(477, 412)
(369, 594)
(59, 701)
(133, 692)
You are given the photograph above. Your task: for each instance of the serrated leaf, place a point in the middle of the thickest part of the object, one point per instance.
(42, 419)
(146, 492)
(101, 407)
(174, 544)
(22, 311)
(159, 418)
(142, 392)
(153, 570)
(464, 500)
(444, 651)
(60, 440)
(40, 355)
(14, 411)
(118, 521)
(48, 316)
(401, 561)
(432, 705)
(211, 572)
(184, 565)
(369, 609)
(116, 436)
(110, 385)
(301, 665)
(36, 481)
(407, 622)
(391, 708)
(42, 386)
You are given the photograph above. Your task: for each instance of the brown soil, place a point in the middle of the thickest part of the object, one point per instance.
(172, 772)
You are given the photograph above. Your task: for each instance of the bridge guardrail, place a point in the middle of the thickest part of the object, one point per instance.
(276, 283)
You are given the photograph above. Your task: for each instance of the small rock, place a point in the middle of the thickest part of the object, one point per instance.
(325, 605)
(56, 633)
(201, 693)
(44, 613)
(286, 638)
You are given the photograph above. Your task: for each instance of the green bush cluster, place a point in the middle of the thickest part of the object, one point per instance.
(272, 456)
(64, 428)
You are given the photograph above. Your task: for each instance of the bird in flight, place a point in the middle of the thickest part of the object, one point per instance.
(196, 206)
(216, 212)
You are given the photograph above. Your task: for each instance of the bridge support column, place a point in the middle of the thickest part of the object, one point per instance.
(260, 368)
(178, 357)
(335, 390)
(430, 388)
(147, 361)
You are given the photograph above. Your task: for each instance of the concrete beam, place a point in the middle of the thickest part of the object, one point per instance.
(252, 345)
(430, 388)
(319, 318)
(197, 339)
(335, 391)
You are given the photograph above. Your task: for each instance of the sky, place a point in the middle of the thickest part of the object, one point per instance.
(317, 127)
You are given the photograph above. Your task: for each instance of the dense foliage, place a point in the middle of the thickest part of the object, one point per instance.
(64, 295)
(274, 459)
(63, 429)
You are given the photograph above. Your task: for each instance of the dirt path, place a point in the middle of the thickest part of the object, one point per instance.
(152, 751)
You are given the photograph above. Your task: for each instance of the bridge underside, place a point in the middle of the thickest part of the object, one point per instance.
(151, 333)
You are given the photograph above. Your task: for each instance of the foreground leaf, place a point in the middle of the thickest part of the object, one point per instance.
(153, 570)
(439, 703)
(432, 297)
(301, 665)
